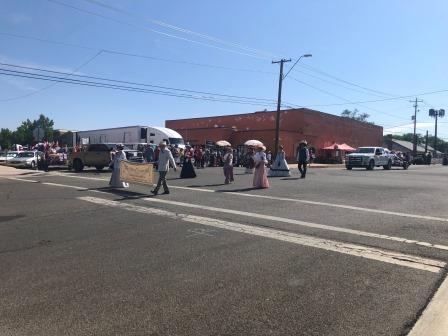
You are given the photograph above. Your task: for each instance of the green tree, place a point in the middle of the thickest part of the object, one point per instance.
(6, 138)
(356, 115)
(47, 126)
(23, 135)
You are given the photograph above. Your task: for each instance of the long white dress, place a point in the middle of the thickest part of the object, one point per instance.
(280, 166)
(115, 181)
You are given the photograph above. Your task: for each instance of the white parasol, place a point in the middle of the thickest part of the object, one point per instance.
(223, 143)
(253, 143)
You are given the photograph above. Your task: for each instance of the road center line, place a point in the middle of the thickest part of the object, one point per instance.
(271, 218)
(294, 200)
(21, 179)
(298, 222)
(349, 207)
(390, 257)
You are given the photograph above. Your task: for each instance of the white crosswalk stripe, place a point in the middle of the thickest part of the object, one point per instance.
(390, 257)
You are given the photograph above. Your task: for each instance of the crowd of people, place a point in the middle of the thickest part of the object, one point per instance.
(255, 160)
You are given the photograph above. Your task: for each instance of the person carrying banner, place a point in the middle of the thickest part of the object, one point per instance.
(165, 157)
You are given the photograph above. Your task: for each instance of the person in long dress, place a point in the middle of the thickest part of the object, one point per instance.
(115, 181)
(260, 176)
(280, 166)
(187, 168)
(228, 165)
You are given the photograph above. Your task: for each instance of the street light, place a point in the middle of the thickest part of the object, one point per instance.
(435, 114)
(279, 98)
(304, 55)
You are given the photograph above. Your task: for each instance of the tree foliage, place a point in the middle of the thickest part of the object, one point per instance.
(23, 135)
(356, 115)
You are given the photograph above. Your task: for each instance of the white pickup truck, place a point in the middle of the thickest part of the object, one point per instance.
(369, 158)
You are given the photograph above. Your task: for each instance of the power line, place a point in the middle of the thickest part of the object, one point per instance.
(29, 75)
(135, 83)
(123, 53)
(131, 89)
(53, 84)
(219, 67)
(155, 31)
(183, 30)
(344, 99)
(309, 67)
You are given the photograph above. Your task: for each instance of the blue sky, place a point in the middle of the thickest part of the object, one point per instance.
(396, 47)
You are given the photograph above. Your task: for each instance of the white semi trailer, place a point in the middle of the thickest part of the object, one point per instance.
(131, 135)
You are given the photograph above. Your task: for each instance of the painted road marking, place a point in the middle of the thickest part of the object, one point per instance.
(390, 257)
(65, 186)
(434, 320)
(271, 218)
(298, 222)
(348, 207)
(20, 179)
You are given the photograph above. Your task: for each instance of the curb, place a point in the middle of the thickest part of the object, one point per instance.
(434, 320)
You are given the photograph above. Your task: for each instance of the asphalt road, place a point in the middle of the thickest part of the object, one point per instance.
(338, 253)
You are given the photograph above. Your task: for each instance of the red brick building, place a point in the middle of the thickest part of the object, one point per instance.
(319, 129)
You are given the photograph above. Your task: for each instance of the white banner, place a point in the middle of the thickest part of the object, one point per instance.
(136, 172)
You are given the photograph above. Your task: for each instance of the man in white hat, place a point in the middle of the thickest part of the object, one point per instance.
(163, 165)
(303, 157)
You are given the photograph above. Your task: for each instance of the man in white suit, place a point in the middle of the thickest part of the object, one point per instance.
(163, 166)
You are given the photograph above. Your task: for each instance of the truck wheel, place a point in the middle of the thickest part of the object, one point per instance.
(388, 166)
(371, 165)
(77, 165)
(99, 167)
(349, 167)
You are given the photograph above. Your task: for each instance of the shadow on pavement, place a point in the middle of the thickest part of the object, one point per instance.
(125, 194)
(237, 190)
(206, 185)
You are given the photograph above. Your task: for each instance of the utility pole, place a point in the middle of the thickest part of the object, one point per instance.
(279, 102)
(426, 142)
(436, 114)
(414, 142)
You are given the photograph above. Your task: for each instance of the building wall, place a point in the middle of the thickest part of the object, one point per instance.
(319, 129)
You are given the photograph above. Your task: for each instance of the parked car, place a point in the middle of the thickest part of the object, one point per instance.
(28, 159)
(95, 155)
(5, 157)
(369, 158)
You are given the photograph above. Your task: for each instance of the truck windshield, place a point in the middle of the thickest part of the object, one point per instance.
(176, 141)
(365, 150)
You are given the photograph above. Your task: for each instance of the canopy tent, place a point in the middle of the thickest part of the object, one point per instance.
(343, 147)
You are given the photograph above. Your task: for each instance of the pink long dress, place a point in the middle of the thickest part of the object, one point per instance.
(260, 175)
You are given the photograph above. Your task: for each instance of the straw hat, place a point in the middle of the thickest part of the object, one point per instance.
(162, 143)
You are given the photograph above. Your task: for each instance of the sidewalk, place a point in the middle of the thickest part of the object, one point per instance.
(11, 171)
